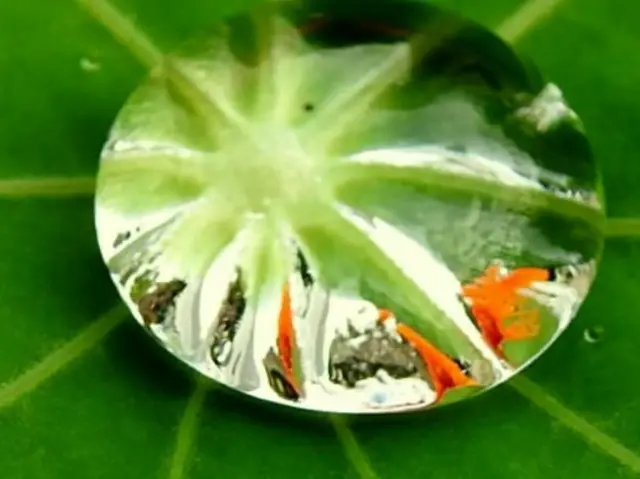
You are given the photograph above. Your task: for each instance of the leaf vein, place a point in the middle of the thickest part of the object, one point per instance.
(526, 18)
(56, 361)
(54, 187)
(352, 450)
(124, 31)
(594, 436)
(623, 228)
(187, 431)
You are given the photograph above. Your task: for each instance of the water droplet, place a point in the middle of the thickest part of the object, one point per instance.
(90, 66)
(417, 239)
(594, 334)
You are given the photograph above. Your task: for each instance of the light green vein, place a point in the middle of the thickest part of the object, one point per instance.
(210, 104)
(143, 49)
(187, 431)
(47, 187)
(623, 228)
(579, 425)
(352, 450)
(60, 358)
(349, 176)
(124, 31)
(526, 18)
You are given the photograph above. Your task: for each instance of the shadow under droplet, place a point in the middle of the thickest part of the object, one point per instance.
(232, 402)
(145, 364)
(268, 414)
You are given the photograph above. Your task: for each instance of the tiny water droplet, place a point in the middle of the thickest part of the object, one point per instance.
(594, 334)
(90, 66)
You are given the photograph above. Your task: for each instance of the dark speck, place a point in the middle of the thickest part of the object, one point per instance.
(303, 266)
(121, 238)
(277, 379)
(228, 320)
(155, 306)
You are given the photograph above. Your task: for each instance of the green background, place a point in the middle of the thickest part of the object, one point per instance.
(84, 394)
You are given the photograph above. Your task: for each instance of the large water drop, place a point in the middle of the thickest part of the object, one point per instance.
(357, 213)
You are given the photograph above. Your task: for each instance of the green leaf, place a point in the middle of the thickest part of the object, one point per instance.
(84, 393)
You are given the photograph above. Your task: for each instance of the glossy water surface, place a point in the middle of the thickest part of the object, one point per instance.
(356, 214)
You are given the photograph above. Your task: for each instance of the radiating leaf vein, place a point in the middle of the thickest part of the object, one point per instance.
(526, 18)
(49, 366)
(149, 183)
(61, 187)
(576, 423)
(350, 103)
(353, 238)
(623, 228)
(210, 105)
(124, 30)
(187, 431)
(351, 176)
(352, 450)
